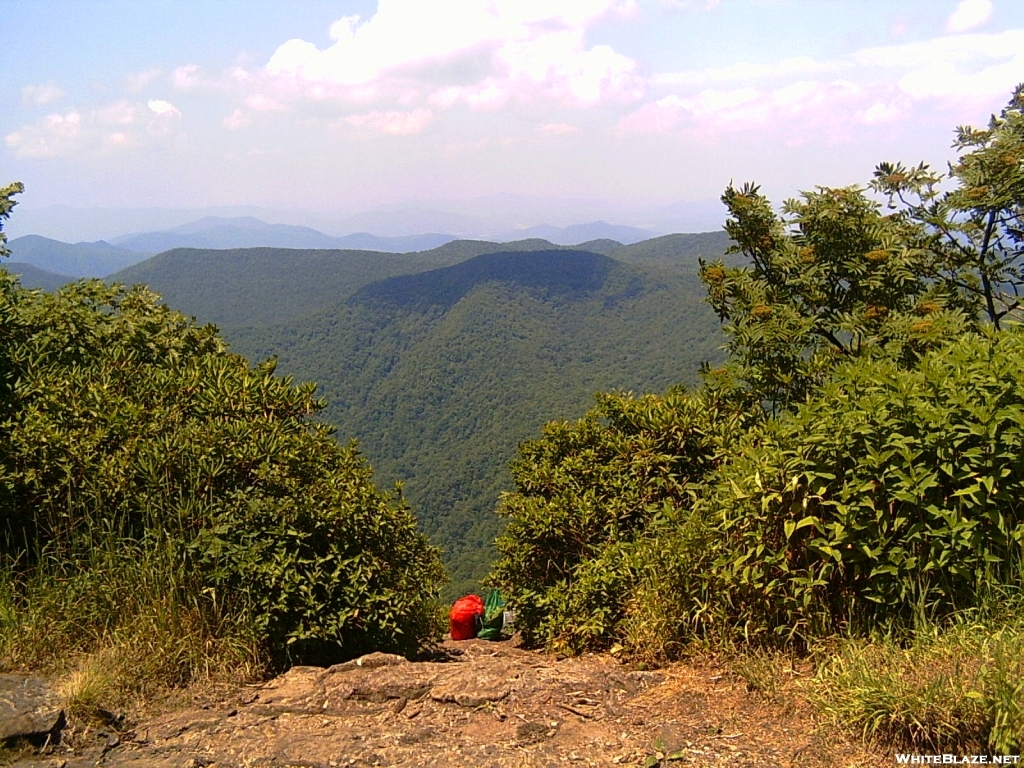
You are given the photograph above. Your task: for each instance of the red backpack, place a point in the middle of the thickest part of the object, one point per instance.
(465, 617)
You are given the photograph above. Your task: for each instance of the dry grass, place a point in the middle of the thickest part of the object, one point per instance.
(118, 632)
(960, 688)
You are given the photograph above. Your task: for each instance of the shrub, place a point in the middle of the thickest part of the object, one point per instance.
(129, 427)
(893, 494)
(591, 497)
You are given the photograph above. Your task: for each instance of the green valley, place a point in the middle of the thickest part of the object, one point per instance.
(439, 363)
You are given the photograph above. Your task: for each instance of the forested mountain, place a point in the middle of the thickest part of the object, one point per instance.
(33, 277)
(440, 362)
(441, 374)
(255, 286)
(683, 250)
(249, 286)
(97, 259)
(250, 232)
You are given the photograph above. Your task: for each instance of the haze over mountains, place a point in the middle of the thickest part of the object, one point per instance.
(496, 217)
(102, 258)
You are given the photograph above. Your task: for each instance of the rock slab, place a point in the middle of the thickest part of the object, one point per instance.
(29, 709)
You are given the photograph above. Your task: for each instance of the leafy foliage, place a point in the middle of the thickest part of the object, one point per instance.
(7, 203)
(588, 494)
(833, 279)
(891, 494)
(973, 234)
(124, 421)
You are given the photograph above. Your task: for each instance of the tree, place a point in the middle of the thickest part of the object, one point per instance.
(130, 430)
(7, 203)
(973, 233)
(831, 278)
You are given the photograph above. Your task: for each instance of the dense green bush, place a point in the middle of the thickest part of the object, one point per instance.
(590, 495)
(879, 483)
(893, 493)
(126, 424)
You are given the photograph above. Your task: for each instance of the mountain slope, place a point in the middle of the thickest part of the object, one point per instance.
(32, 277)
(256, 286)
(679, 250)
(441, 374)
(97, 259)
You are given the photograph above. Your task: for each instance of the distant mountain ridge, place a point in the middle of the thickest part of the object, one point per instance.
(580, 233)
(101, 258)
(249, 232)
(31, 276)
(96, 259)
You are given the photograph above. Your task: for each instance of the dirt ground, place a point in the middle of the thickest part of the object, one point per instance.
(479, 704)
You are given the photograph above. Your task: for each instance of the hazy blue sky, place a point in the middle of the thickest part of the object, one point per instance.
(324, 105)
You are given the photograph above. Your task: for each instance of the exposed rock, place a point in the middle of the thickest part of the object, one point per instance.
(29, 709)
(478, 704)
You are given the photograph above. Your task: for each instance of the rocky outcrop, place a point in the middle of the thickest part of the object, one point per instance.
(479, 704)
(29, 710)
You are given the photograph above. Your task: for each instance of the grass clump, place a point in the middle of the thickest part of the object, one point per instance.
(959, 688)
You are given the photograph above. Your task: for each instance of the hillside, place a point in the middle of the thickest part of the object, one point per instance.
(682, 250)
(441, 362)
(441, 374)
(257, 286)
(97, 259)
(32, 277)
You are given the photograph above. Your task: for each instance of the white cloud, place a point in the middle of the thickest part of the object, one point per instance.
(558, 129)
(693, 5)
(260, 102)
(54, 135)
(806, 107)
(109, 127)
(880, 85)
(118, 113)
(163, 108)
(952, 49)
(882, 112)
(186, 77)
(139, 80)
(393, 122)
(745, 72)
(47, 93)
(963, 68)
(237, 119)
(521, 49)
(968, 15)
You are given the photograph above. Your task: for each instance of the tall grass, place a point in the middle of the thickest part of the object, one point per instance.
(953, 687)
(116, 619)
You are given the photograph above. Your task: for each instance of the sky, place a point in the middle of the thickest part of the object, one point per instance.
(346, 105)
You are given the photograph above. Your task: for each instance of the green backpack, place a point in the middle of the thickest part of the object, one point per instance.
(494, 617)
